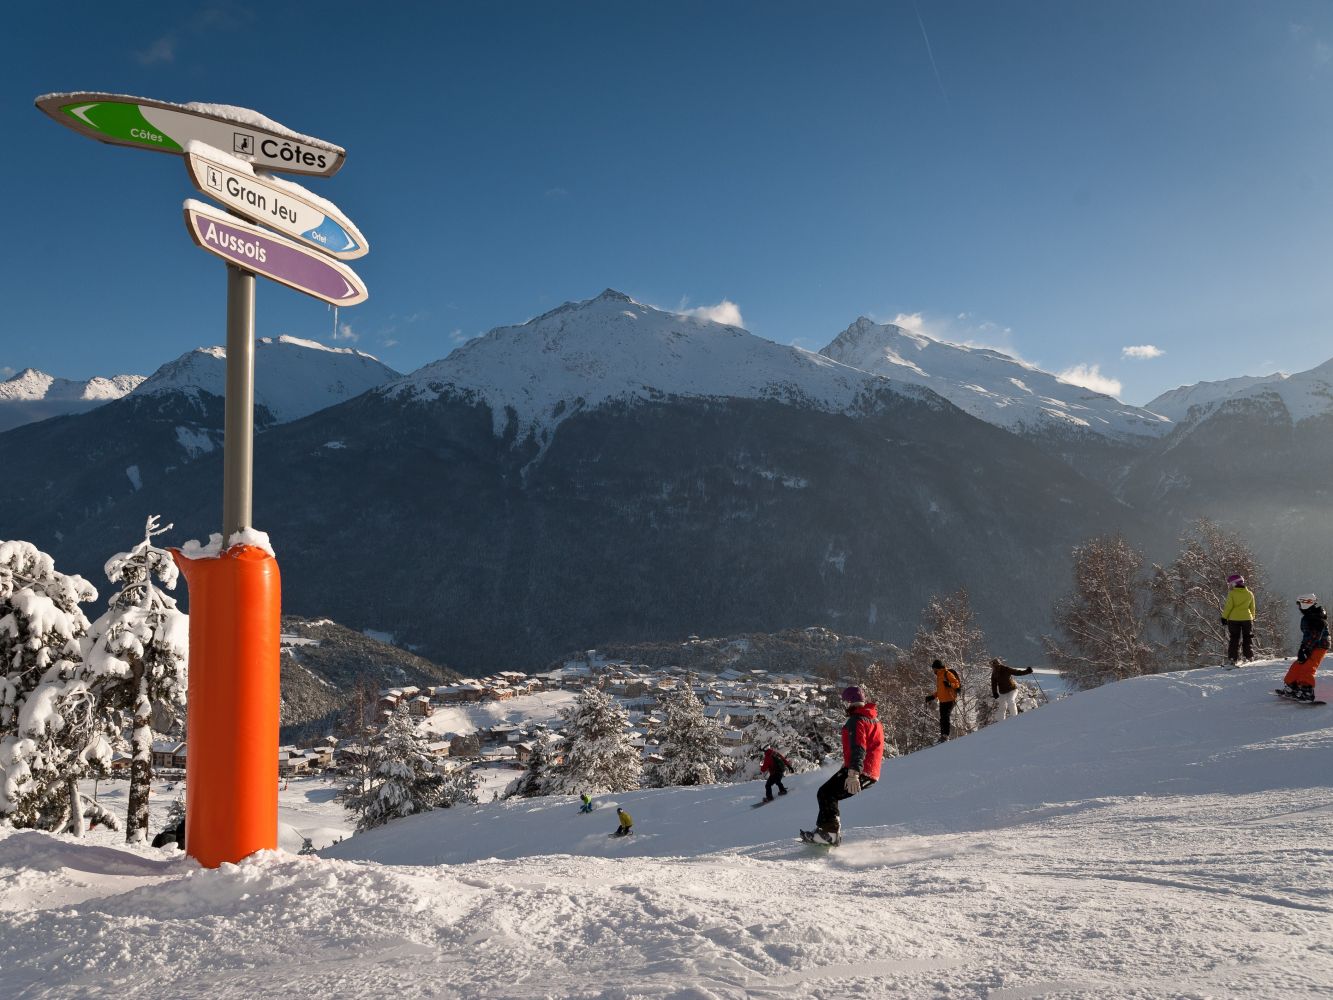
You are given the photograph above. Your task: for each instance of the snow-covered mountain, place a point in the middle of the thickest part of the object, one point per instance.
(293, 377)
(1304, 395)
(32, 395)
(584, 355)
(991, 386)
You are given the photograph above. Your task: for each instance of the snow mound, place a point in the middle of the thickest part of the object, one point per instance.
(989, 385)
(612, 349)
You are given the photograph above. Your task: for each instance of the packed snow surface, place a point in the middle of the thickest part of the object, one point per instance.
(989, 385)
(293, 377)
(1169, 836)
(611, 348)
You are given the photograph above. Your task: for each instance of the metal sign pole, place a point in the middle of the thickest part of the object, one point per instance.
(239, 441)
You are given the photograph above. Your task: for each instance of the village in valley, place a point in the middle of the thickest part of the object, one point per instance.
(491, 724)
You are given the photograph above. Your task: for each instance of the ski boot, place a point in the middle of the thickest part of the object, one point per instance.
(1306, 693)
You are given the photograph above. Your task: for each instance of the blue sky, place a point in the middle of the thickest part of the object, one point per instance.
(1061, 181)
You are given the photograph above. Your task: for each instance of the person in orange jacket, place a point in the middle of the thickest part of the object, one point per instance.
(947, 686)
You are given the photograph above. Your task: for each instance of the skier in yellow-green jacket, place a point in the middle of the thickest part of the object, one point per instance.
(1238, 616)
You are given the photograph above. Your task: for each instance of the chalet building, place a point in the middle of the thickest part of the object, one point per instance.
(421, 707)
(169, 755)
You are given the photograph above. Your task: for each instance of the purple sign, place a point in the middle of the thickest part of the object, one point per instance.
(265, 253)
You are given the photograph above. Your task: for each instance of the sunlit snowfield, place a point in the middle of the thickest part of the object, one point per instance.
(1169, 836)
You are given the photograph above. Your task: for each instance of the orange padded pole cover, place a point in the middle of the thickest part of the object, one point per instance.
(231, 762)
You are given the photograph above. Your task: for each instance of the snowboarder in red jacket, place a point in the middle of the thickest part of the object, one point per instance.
(775, 766)
(862, 752)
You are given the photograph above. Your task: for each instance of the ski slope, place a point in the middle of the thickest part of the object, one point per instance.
(1169, 836)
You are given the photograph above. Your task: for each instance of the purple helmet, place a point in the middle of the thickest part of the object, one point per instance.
(854, 695)
(1236, 580)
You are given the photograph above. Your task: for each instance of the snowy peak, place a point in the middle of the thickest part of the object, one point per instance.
(988, 384)
(1306, 394)
(30, 384)
(32, 395)
(611, 348)
(293, 377)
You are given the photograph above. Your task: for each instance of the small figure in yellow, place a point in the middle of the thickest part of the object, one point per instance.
(626, 824)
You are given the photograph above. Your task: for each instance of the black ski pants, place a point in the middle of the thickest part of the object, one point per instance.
(946, 710)
(1238, 633)
(830, 794)
(774, 778)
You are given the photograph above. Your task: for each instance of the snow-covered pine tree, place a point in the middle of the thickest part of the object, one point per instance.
(137, 655)
(51, 734)
(689, 742)
(807, 731)
(403, 778)
(598, 754)
(534, 779)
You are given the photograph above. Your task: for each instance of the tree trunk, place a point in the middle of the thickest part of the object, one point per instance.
(74, 825)
(141, 758)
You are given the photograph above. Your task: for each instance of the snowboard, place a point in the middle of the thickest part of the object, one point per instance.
(1282, 693)
(762, 802)
(809, 837)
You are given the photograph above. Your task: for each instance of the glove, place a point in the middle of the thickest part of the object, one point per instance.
(1223, 619)
(929, 698)
(853, 783)
(996, 697)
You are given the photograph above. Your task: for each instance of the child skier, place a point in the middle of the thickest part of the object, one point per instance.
(626, 823)
(862, 752)
(1238, 616)
(1314, 644)
(587, 802)
(775, 766)
(947, 686)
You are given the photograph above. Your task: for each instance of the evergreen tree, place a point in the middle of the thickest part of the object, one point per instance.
(690, 743)
(1188, 592)
(807, 731)
(1105, 620)
(598, 754)
(51, 733)
(403, 778)
(137, 654)
(536, 775)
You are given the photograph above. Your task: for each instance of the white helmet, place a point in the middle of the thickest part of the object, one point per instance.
(1305, 601)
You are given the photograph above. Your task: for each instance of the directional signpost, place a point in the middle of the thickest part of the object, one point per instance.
(157, 125)
(231, 805)
(266, 253)
(278, 204)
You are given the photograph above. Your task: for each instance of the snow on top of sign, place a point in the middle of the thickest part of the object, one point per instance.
(194, 549)
(225, 112)
(197, 148)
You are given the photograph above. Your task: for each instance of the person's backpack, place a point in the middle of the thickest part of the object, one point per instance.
(952, 679)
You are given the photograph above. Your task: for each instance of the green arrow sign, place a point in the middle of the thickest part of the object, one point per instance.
(136, 121)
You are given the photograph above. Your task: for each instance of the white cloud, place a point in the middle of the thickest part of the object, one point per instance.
(726, 312)
(345, 332)
(6, 372)
(912, 322)
(162, 50)
(391, 343)
(1091, 377)
(1141, 352)
(457, 336)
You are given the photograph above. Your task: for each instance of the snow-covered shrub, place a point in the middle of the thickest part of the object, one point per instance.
(536, 775)
(807, 731)
(136, 655)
